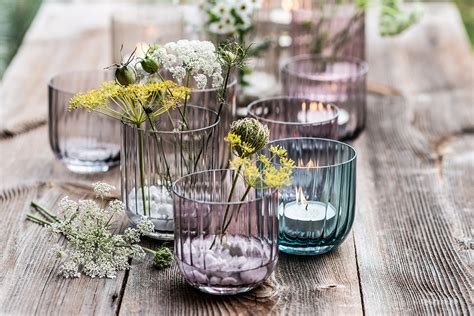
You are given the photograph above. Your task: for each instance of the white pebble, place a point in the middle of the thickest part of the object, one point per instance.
(254, 276)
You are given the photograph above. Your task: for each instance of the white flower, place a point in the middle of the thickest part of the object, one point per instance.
(196, 59)
(102, 189)
(201, 80)
(92, 248)
(244, 7)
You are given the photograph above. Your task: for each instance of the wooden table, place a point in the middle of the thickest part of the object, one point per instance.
(411, 248)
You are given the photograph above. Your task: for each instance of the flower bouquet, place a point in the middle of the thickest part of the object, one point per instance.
(164, 136)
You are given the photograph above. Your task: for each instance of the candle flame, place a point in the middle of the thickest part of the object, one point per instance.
(303, 107)
(300, 199)
(289, 5)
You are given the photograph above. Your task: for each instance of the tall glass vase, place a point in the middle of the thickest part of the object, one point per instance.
(152, 159)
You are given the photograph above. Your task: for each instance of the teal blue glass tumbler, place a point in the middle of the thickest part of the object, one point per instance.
(316, 211)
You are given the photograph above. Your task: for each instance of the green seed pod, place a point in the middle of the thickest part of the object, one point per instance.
(251, 132)
(163, 258)
(149, 65)
(125, 75)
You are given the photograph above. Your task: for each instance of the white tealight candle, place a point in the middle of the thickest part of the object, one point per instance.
(308, 219)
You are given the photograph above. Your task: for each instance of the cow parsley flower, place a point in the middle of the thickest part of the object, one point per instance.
(93, 248)
(185, 59)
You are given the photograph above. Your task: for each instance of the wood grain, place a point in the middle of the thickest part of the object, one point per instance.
(411, 250)
(434, 54)
(29, 280)
(300, 286)
(412, 217)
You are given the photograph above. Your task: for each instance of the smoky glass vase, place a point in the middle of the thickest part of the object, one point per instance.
(152, 159)
(316, 211)
(341, 81)
(85, 142)
(208, 97)
(225, 239)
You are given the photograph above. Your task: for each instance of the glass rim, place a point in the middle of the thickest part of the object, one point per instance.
(173, 188)
(200, 129)
(347, 161)
(261, 118)
(362, 66)
(70, 72)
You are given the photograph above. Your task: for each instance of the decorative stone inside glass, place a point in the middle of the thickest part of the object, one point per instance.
(222, 246)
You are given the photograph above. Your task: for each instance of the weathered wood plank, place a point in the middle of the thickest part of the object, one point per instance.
(432, 55)
(62, 37)
(300, 286)
(411, 219)
(29, 280)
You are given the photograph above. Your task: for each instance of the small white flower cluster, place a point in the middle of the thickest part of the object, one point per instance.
(190, 58)
(93, 248)
(228, 17)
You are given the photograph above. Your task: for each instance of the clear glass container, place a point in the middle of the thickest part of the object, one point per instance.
(141, 25)
(222, 245)
(152, 160)
(341, 81)
(296, 117)
(316, 211)
(85, 142)
(209, 98)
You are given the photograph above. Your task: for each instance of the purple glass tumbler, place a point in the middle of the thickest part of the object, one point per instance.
(341, 81)
(296, 117)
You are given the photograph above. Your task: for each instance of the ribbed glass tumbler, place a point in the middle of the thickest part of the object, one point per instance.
(224, 245)
(85, 142)
(316, 211)
(152, 160)
(296, 117)
(341, 81)
(209, 98)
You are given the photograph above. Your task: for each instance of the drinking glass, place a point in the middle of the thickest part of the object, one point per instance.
(341, 81)
(85, 142)
(224, 245)
(316, 211)
(152, 160)
(296, 117)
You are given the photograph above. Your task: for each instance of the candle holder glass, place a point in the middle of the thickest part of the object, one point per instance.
(316, 211)
(242, 257)
(84, 142)
(296, 117)
(152, 160)
(341, 81)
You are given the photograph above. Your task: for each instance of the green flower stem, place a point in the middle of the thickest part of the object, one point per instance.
(222, 100)
(37, 220)
(142, 168)
(183, 117)
(188, 76)
(234, 183)
(45, 212)
(238, 210)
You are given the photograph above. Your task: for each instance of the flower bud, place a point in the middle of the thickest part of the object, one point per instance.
(228, 56)
(149, 65)
(251, 132)
(125, 75)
